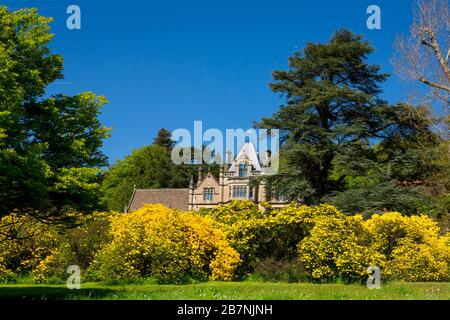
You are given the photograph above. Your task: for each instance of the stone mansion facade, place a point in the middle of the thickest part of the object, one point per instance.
(208, 191)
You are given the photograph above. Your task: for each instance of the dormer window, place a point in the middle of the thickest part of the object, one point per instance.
(243, 170)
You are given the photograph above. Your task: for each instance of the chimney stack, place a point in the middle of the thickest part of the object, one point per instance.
(200, 175)
(228, 158)
(267, 158)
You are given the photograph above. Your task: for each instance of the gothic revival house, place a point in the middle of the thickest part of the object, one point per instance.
(208, 191)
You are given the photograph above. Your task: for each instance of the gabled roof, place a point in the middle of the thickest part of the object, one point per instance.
(248, 151)
(209, 175)
(172, 198)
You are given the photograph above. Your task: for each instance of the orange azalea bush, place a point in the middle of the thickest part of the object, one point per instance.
(165, 244)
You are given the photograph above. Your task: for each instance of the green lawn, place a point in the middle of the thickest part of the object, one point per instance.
(230, 290)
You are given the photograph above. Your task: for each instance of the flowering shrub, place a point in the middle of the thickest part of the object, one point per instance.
(236, 211)
(392, 229)
(257, 234)
(292, 224)
(45, 249)
(165, 244)
(33, 242)
(412, 246)
(227, 242)
(6, 275)
(421, 262)
(338, 247)
(52, 265)
(84, 240)
(77, 246)
(405, 248)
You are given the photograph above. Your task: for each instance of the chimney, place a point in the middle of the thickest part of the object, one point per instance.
(229, 158)
(200, 175)
(267, 158)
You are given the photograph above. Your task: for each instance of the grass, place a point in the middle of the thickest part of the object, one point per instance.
(230, 290)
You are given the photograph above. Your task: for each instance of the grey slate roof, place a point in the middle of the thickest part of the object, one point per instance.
(172, 198)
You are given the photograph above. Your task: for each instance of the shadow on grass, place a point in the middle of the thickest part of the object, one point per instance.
(51, 293)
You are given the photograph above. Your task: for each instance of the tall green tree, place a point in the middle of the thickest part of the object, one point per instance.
(49, 147)
(149, 167)
(393, 173)
(164, 139)
(332, 106)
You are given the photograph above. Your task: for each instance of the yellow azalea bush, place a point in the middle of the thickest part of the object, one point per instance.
(392, 229)
(421, 262)
(86, 238)
(243, 224)
(78, 246)
(446, 239)
(32, 242)
(51, 265)
(236, 211)
(165, 244)
(259, 234)
(293, 223)
(338, 246)
(44, 249)
(405, 248)
(6, 275)
(225, 243)
(412, 246)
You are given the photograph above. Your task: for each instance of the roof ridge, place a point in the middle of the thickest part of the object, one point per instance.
(162, 189)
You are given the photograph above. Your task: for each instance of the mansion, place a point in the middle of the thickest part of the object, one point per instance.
(208, 191)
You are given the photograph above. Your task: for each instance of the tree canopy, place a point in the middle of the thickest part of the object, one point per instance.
(341, 143)
(332, 105)
(149, 167)
(163, 139)
(49, 146)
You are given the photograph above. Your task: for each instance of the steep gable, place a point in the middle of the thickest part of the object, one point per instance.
(209, 181)
(247, 152)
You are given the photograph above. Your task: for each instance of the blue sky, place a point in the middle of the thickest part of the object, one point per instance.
(168, 63)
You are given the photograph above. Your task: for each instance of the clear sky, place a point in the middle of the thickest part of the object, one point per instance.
(168, 63)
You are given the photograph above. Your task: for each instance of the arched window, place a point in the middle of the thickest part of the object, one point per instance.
(243, 170)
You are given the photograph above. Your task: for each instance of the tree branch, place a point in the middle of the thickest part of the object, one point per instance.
(433, 84)
(437, 51)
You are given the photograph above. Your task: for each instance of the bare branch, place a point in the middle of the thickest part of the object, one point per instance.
(419, 55)
(434, 84)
